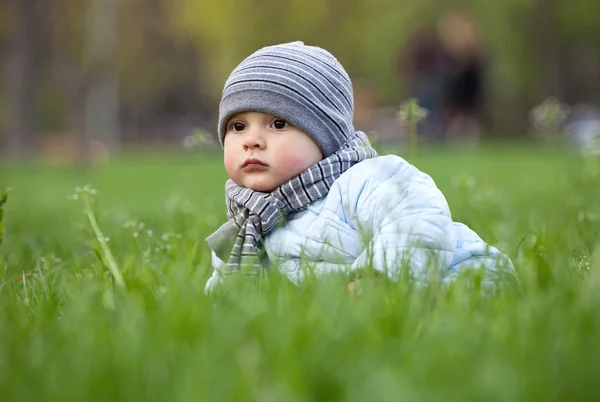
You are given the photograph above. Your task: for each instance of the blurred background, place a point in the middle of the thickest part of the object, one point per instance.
(84, 78)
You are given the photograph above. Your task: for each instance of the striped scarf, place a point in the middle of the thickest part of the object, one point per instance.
(253, 214)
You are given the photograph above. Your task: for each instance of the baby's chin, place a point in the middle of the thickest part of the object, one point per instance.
(263, 189)
(260, 185)
(262, 182)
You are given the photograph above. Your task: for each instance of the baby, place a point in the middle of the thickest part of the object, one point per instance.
(308, 190)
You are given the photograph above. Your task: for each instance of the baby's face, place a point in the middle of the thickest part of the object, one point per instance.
(262, 151)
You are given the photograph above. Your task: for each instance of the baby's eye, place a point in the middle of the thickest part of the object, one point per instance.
(238, 126)
(280, 124)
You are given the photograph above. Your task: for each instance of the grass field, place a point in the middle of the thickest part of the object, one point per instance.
(70, 332)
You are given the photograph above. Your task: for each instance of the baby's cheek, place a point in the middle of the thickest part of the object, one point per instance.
(229, 161)
(292, 163)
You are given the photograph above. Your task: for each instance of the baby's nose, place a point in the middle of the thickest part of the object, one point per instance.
(254, 139)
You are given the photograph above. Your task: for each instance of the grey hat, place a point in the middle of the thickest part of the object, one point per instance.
(304, 85)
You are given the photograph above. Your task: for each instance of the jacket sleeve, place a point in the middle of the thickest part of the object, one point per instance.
(405, 221)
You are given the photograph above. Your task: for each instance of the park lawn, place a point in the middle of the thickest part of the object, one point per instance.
(72, 331)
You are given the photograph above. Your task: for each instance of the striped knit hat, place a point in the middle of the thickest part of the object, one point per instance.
(305, 85)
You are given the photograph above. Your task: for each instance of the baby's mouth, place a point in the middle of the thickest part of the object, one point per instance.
(253, 162)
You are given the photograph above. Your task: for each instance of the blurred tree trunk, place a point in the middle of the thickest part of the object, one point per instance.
(548, 47)
(101, 104)
(84, 67)
(73, 86)
(22, 70)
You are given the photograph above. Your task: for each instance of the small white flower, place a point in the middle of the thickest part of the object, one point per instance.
(549, 113)
(584, 263)
(189, 142)
(411, 113)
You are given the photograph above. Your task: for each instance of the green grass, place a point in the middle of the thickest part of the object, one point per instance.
(69, 333)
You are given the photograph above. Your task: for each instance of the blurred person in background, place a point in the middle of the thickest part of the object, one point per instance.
(444, 71)
(462, 77)
(420, 62)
